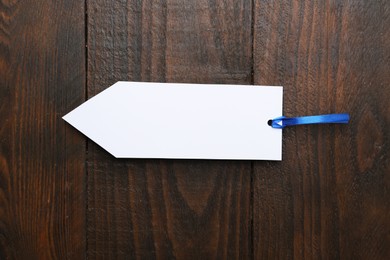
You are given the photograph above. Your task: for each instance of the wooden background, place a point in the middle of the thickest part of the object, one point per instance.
(62, 196)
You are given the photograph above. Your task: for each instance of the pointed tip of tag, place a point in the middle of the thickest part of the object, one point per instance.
(65, 117)
(68, 118)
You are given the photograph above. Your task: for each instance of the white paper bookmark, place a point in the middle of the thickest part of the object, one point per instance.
(194, 121)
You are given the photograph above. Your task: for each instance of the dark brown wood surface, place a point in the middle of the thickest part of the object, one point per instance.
(329, 198)
(42, 77)
(63, 197)
(168, 208)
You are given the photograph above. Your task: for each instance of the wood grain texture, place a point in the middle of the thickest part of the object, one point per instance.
(42, 73)
(329, 198)
(168, 208)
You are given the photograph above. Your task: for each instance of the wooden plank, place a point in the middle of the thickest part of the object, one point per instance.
(42, 71)
(329, 197)
(168, 208)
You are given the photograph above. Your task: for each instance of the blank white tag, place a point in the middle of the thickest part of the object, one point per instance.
(194, 121)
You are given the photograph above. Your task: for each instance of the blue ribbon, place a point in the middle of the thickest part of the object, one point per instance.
(282, 122)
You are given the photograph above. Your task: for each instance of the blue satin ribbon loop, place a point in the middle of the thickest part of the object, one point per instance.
(282, 122)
